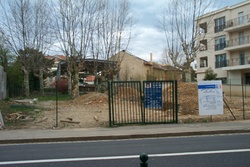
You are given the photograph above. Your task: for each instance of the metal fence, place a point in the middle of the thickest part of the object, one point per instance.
(147, 102)
(237, 93)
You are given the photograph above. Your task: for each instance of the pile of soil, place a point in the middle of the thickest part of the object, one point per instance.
(91, 98)
(188, 98)
(127, 93)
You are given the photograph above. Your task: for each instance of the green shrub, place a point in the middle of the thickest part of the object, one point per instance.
(209, 74)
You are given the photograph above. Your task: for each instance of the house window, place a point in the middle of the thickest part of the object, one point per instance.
(203, 62)
(203, 28)
(220, 43)
(241, 38)
(203, 45)
(242, 58)
(248, 78)
(220, 24)
(220, 61)
(241, 18)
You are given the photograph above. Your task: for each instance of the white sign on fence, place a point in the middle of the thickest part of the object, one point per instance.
(210, 97)
(1, 120)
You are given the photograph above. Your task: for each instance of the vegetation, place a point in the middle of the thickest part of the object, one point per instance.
(209, 74)
(80, 29)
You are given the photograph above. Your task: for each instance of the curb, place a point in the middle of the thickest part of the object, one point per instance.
(110, 137)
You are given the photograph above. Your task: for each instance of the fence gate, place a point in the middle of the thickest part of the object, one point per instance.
(147, 102)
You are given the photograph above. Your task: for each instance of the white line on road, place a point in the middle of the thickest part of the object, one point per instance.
(122, 157)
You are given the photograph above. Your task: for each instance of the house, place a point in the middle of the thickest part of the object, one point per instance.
(134, 68)
(50, 81)
(57, 59)
(224, 40)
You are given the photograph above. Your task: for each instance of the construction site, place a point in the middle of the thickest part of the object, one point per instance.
(92, 110)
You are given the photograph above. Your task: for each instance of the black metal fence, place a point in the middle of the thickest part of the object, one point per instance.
(147, 102)
(237, 94)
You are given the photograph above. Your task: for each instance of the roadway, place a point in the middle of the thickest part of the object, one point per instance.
(207, 150)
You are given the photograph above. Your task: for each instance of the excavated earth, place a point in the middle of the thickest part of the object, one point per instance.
(91, 110)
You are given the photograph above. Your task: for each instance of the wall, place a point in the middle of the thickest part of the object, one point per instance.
(131, 67)
(2, 83)
(236, 75)
(236, 90)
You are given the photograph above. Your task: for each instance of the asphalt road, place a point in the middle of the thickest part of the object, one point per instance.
(214, 150)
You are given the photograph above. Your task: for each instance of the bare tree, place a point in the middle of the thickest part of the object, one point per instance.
(75, 23)
(178, 21)
(26, 24)
(113, 33)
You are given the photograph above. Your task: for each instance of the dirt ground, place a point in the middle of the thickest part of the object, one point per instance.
(91, 110)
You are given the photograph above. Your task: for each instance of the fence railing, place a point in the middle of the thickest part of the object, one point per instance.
(238, 21)
(238, 41)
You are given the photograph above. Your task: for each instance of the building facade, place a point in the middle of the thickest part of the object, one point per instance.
(133, 68)
(224, 40)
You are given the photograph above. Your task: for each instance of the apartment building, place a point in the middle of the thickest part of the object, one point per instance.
(224, 38)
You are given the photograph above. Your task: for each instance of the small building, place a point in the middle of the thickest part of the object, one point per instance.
(133, 68)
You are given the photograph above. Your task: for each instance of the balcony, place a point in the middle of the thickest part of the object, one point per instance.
(238, 24)
(238, 43)
(238, 64)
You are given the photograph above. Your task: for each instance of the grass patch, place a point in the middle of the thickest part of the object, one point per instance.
(22, 108)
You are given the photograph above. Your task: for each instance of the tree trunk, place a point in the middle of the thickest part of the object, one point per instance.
(26, 82)
(69, 82)
(187, 76)
(75, 83)
(188, 73)
(41, 82)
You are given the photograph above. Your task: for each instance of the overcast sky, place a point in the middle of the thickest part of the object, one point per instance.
(148, 38)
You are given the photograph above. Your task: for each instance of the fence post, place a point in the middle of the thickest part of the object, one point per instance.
(230, 88)
(243, 101)
(144, 159)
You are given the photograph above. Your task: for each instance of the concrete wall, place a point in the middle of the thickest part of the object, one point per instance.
(3, 80)
(236, 90)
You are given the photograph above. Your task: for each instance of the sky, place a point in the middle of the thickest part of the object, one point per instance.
(148, 38)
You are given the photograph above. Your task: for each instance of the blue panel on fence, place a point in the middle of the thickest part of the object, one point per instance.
(153, 95)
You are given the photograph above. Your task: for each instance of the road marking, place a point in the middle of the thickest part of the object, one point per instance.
(122, 157)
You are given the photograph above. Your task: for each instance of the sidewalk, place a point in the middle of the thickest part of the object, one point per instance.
(123, 132)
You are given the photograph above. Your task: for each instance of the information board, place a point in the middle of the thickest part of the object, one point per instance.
(153, 94)
(210, 97)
